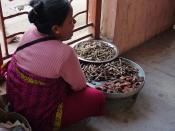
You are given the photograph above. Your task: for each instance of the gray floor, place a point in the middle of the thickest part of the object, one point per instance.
(154, 109)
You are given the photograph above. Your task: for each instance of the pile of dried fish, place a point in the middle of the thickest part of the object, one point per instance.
(108, 71)
(118, 75)
(124, 84)
(95, 50)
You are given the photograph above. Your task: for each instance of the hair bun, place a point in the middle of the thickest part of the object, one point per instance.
(38, 6)
(47, 13)
(32, 3)
(36, 14)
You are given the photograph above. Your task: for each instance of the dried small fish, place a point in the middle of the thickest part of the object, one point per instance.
(108, 71)
(95, 50)
(120, 76)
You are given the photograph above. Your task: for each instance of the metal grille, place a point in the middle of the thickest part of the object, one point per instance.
(86, 25)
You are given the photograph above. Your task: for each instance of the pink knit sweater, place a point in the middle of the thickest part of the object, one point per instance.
(51, 59)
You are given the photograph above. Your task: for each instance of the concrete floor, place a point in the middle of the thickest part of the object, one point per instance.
(154, 109)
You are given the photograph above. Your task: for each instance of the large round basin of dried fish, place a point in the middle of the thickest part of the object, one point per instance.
(119, 78)
(96, 51)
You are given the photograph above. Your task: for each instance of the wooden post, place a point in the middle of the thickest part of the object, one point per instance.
(2, 28)
(1, 60)
(95, 17)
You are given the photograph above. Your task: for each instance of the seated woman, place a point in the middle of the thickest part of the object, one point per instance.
(45, 82)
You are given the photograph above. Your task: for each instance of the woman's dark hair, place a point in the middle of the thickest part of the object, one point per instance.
(46, 13)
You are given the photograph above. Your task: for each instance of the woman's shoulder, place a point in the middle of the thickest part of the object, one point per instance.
(63, 47)
(30, 34)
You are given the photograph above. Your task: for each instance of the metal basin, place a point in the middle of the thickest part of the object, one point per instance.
(13, 117)
(134, 93)
(96, 42)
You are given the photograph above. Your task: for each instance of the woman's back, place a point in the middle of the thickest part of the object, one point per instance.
(44, 58)
(45, 82)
